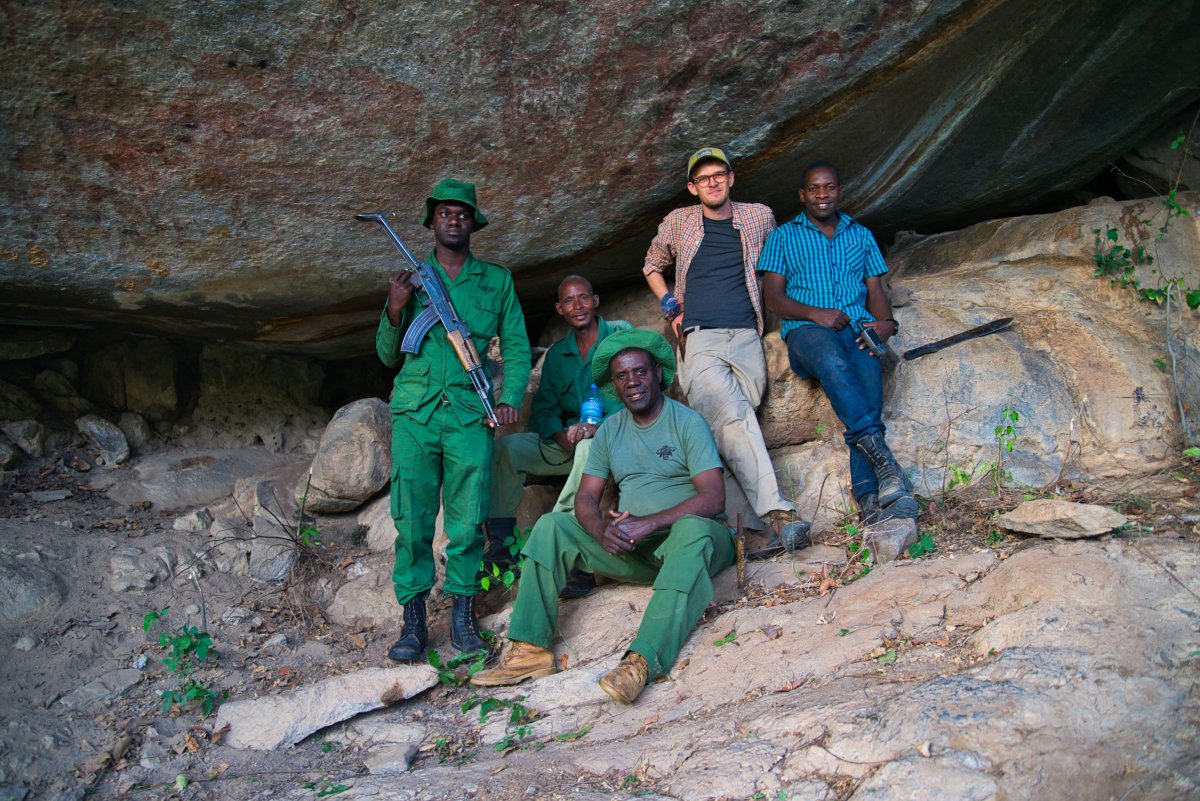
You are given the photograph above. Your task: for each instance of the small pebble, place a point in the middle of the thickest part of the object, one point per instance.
(25, 643)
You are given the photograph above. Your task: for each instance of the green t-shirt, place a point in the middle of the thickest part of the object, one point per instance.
(653, 465)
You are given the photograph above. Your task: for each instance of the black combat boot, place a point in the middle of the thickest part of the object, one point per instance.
(869, 512)
(892, 484)
(414, 638)
(464, 629)
(500, 533)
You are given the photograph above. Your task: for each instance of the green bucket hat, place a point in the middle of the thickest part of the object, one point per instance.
(643, 338)
(452, 189)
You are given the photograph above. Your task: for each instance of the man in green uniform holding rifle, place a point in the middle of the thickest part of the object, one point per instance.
(441, 439)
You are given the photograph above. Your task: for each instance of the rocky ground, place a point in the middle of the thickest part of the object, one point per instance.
(994, 666)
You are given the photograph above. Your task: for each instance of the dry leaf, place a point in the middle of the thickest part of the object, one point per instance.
(358, 641)
(190, 742)
(772, 632)
(563, 661)
(791, 685)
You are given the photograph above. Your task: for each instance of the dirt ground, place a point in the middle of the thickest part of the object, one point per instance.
(270, 637)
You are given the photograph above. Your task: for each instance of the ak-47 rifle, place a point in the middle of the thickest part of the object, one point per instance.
(438, 307)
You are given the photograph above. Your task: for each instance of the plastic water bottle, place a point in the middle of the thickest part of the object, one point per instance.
(592, 409)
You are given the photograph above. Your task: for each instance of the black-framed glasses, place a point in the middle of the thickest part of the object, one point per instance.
(716, 178)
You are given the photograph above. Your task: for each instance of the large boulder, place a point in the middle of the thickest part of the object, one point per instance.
(195, 168)
(353, 458)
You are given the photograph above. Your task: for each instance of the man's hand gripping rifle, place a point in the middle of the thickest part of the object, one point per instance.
(438, 307)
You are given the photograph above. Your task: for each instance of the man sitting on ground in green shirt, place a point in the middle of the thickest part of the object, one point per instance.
(558, 441)
(669, 530)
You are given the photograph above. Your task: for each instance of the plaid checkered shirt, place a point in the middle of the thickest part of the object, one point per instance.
(681, 232)
(822, 272)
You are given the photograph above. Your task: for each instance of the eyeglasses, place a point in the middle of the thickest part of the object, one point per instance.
(716, 178)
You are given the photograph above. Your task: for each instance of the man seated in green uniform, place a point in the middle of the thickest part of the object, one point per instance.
(669, 530)
(558, 441)
(441, 445)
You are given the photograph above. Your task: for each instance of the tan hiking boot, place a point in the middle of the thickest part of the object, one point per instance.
(625, 682)
(522, 661)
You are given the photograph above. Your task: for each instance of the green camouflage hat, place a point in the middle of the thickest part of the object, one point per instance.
(459, 191)
(707, 154)
(614, 343)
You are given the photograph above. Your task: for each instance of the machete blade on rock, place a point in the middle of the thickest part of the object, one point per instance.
(973, 333)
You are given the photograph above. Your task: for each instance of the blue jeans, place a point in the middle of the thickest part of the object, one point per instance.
(852, 380)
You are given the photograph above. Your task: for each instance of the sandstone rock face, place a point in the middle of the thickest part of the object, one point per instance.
(26, 343)
(1053, 663)
(195, 167)
(251, 399)
(136, 375)
(1153, 166)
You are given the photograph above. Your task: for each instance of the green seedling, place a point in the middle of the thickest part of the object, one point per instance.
(728, 638)
(187, 647)
(572, 736)
(922, 546)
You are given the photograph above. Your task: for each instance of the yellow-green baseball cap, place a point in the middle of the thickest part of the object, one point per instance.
(705, 154)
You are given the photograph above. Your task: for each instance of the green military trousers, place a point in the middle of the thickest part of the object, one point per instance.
(679, 563)
(521, 455)
(438, 461)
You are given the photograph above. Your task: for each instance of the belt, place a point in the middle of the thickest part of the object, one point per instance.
(694, 328)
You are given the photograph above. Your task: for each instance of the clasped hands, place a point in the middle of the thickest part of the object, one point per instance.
(624, 531)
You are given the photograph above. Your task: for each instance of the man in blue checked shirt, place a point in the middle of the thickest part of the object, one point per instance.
(822, 270)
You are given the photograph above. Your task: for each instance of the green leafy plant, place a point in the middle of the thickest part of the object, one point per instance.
(493, 573)
(448, 673)
(186, 647)
(728, 638)
(519, 717)
(1120, 262)
(1191, 453)
(1006, 437)
(858, 551)
(310, 536)
(888, 657)
(572, 736)
(959, 476)
(924, 545)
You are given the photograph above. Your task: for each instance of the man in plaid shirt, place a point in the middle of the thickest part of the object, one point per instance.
(821, 274)
(716, 312)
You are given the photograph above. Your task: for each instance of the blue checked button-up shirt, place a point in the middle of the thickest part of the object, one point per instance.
(820, 271)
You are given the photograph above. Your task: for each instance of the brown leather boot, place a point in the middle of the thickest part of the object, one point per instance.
(522, 661)
(625, 682)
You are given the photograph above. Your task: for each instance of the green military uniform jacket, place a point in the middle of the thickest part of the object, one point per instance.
(566, 379)
(486, 300)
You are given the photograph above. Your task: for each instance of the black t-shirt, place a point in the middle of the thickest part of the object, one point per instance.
(716, 294)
